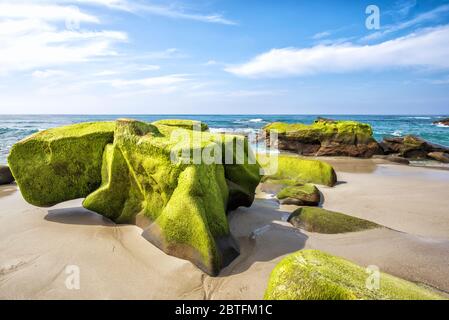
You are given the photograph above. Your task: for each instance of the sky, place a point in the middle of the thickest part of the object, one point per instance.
(223, 57)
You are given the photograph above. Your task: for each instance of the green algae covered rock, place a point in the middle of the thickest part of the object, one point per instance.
(326, 138)
(411, 147)
(150, 175)
(324, 221)
(315, 275)
(181, 123)
(300, 195)
(60, 164)
(292, 170)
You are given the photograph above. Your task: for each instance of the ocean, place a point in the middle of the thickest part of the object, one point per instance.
(16, 127)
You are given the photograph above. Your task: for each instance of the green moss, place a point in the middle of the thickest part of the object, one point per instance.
(183, 203)
(304, 194)
(292, 191)
(345, 131)
(185, 124)
(315, 275)
(282, 182)
(127, 173)
(324, 221)
(60, 164)
(299, 170)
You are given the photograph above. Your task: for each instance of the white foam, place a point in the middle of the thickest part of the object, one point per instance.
(256, 120)
(419, 118)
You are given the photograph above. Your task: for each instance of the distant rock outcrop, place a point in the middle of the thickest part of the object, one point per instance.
(326, 137)
(444, 122)
(411, 147)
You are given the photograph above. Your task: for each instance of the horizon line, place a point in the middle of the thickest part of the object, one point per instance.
(222, 114)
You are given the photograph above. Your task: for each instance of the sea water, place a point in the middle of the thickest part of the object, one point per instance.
(16, 127)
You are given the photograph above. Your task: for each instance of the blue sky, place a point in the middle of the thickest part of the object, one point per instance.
(223, 56)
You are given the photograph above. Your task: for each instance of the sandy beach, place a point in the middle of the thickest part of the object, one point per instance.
(115, 262)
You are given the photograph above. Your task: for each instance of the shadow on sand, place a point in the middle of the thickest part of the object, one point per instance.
(78, 215)
(263, 235)
(261, 231)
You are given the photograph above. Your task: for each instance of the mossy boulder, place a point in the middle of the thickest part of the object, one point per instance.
(149, 175)
(184, 124)
(60, 164)
(5, 175)
(326, 137)
(324, 221)
(291, 170)
(300, 195)
(315, 275)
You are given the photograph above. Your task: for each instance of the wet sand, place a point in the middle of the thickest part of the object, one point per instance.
(115, 262)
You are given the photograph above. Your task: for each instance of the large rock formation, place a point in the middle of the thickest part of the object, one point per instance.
(326, 137)
(147, 174)
(411, 147)
(315, 275)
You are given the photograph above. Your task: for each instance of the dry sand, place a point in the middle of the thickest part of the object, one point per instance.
(115, 262)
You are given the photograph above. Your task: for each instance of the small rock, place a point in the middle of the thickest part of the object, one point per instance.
(5, 175)
(444, 122)
(439, 156)
(322, 119)
(300, 195)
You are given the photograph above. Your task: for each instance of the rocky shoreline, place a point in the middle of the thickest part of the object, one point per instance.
(327, 137)
(128, 177)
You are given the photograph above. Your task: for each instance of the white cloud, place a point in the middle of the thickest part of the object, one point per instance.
(211, 63)
(171, 53)
(49, 73)
(255, 93)
(105, 73)
(401, 9)
(151, 82)
(171, 11)
(148, 67)
(179, 14)
(46, 12)
(125, 69)
(37, 48)
(32, 37)
(321, 35)
(427, 48)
